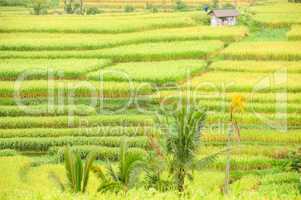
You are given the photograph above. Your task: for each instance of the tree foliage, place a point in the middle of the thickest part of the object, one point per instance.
(183, 134)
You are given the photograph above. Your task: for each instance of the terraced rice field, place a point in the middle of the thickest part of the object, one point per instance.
(92, 24)
(80, 41)
(294, 33)
(264, 51)
(278, 15)
(166, 5)
(11, 69)
(134, 52)
(90, 82)
(157, 72)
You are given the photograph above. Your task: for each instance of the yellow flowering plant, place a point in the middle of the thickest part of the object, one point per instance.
(237, 105)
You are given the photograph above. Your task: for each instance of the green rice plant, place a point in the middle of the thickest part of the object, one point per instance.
(256, 66)
(94, 24)
(218, 81)
(278, 20)
(75, 121)
(134, 52)
(43, 144)
(267, 34)
(47, 110)
(265, 136)
(257, 120)
(120, 105)
(246, 163)
(222, 103)
(285, 8)
(263, 51)
(271, 151)
(43, 88)
(251, 107)
(195, 96)
(11, 69)
(278, 14)
(103, 152)
(157, 72)
(7, 152)
(58, 100)
(294, 33)
(102, 131)
(246, 182)
(78, 41)
(279, 178)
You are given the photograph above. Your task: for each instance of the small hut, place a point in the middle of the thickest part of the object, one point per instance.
(223, 17)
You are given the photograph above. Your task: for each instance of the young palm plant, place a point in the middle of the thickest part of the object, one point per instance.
(183, 143)
(127, 174)
(77, 172)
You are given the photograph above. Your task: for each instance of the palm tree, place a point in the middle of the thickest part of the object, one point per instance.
(183, 142)
(77, 172)
(127, 174)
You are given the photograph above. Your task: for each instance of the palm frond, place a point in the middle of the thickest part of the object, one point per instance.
(88, 165)
(112, 173)
(204, 162)
(134, 170)
(78, 172)
(99, 173)
(54, 177)
(122, 160)
(68, 157)
(109, 187)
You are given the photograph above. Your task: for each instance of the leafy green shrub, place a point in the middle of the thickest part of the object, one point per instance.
(294, 1)
(71, 6)
(228, 6)
(215, 4)
(181, 6)
(129, 8)
(294, 160)
(152, 8)
(93, 11)
(40, 7)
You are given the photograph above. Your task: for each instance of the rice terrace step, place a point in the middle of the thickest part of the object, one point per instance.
(156, 99)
